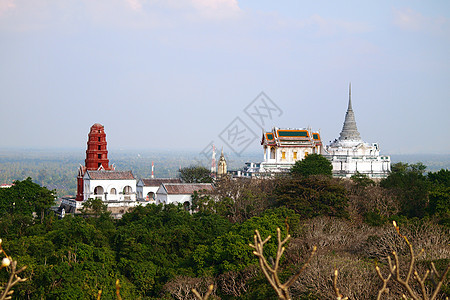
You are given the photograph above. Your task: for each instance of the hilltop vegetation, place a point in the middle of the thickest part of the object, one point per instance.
(163, 252)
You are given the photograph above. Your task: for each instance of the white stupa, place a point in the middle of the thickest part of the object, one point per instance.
(349, 154)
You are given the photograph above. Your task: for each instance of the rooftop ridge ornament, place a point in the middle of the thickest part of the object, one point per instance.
(349, 130)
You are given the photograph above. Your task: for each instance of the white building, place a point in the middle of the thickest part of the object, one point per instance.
(109, 186)
(349, 154)
(146, 188)
(180, 192)
(282, 148)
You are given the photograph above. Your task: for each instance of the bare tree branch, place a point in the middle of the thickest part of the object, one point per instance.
(339, 296)
(14, 279)
(208, 293)
(394, 269)
(272, 272)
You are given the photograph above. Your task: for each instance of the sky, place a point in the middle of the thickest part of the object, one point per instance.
(183, 74)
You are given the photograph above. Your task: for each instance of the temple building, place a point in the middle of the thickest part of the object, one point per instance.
(181, 193)
(282, 148)
(112, 187)
(119, 190)
(97, 179)
(147, 187)
(222, 166)
(349, 154)
(96, 157)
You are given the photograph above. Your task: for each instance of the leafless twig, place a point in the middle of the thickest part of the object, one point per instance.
(394, 272)
(118, 290)
(271, 272)
(208, 293)
(339, 296)
(6, 291)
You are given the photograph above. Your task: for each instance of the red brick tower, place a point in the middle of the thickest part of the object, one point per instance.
(96, 156)
(96, 153)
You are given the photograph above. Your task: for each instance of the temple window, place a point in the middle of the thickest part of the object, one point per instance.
(127, 190)
(113, 191)
(272, 153)
(306, 153)
(295, 155)
(283, 155)
(99, 156)
(98, 190)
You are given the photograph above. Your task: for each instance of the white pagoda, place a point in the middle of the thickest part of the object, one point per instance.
(349, 154)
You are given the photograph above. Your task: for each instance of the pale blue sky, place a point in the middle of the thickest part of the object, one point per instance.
(173, 74)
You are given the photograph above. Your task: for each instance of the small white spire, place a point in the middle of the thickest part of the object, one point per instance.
(350, 96)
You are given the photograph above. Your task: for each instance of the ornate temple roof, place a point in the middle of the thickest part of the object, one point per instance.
(291, 137)
(349, 130)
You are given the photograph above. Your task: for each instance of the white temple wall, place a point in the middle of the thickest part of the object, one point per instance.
(142, 191)
(161, 198)
(178, 198)
(108, 186)
(370, 166)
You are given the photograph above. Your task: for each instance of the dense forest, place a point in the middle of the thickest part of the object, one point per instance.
(161, 252)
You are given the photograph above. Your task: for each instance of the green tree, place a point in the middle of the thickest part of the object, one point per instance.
(94, 207)
(439, 204)
(202, 203)
(230, 251)
(441, 177)
(362, 180)
(312, 196)
(26, 197)
(411, 187)
(195, 174)
(313, 164)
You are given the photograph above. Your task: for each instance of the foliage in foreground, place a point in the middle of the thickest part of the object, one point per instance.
(427, 287)
(163, 252)
(271, 271)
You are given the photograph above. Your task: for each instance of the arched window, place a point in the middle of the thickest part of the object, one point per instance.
(127, 190)
(187, 206)
(272, 153)
(150, 196)
(113, 191)
(98, 190)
